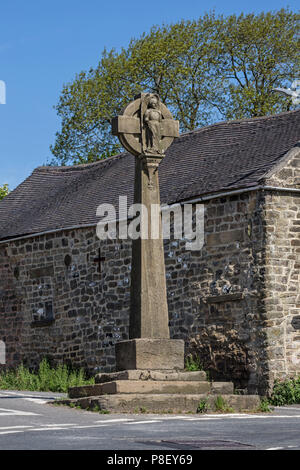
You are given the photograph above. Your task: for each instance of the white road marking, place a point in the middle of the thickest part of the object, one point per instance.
(32, 398)
(39, 401)
(119, 420)
(203, 419)
(145, 422)
(60, 424)
(2, 428)
(275, 448)
(9, 432)
(8, 412)
(245, 416)
(288, 408)
(174, 417)
(90, 426)
(46, 429)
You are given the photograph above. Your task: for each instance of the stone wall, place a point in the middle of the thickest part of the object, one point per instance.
(11, 318)
(55, 302)
(282, 279)
(215, 295)
(68, 311)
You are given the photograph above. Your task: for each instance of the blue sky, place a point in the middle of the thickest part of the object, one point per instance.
(43, 44)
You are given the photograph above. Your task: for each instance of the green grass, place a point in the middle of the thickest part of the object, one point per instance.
(46, 379)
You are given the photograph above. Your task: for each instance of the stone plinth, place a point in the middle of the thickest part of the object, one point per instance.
(152, 354)
(157, 391)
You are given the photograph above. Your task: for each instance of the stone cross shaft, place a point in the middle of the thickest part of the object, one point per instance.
(146, 129)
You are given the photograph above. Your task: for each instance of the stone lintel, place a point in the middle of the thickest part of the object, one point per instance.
(44, 271)
(152, 354)
(224, 238)
(214, 299)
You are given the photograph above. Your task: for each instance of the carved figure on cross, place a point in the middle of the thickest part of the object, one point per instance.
(152, 121)
(146, 126)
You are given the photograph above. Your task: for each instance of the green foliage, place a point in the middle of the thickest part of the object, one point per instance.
(203, 406)
(53, 379)
(260, 51)
(3, 191)
(222, 406)
(192, 364)
(285, 392)
(212, 68)
(264, 406)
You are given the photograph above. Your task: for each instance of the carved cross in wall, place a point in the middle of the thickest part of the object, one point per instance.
(99, 260)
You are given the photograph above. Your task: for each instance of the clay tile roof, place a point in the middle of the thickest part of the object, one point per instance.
(220, 157)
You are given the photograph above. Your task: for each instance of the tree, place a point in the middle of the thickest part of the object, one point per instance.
(260, 52)
(205, 70)
(3, 191)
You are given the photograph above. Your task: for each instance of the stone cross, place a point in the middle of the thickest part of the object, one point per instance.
(146, 129)
(99, 260)
(142, 117)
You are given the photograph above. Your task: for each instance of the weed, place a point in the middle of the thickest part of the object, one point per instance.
(222, 405)
(264, 406)
(192, 364)
(203, 406)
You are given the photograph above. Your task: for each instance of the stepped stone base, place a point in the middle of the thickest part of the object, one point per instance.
(157, 391)
(163, 403)
(150, 378)
(152, 387)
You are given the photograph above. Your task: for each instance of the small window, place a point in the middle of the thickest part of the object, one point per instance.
(49, 311)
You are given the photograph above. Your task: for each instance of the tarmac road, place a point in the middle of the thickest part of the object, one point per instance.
(29, 422)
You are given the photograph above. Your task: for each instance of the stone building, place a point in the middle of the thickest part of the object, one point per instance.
(64, 294)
